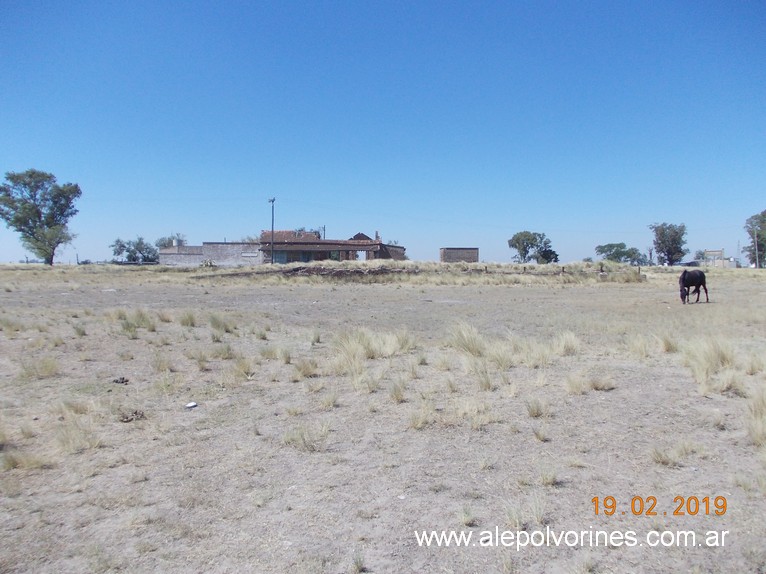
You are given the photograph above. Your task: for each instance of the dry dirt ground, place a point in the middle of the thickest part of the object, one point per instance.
(335, 420)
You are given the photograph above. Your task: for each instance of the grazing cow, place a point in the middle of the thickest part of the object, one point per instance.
(694, 278)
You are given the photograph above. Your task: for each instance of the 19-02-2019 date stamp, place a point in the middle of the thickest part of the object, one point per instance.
(647, 506)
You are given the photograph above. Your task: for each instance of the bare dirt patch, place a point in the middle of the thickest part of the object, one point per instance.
(333, 419)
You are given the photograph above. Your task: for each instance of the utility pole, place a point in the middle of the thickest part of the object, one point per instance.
(271, 201)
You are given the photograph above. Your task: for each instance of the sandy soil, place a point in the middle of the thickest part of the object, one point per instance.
(472, 407)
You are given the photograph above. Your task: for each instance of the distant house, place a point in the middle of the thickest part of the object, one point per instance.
(459, 254)
(289, 246)
(305, 246)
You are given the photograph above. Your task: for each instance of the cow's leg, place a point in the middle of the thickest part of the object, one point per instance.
(707, 299)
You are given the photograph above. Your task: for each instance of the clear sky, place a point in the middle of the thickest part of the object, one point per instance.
(438, 124)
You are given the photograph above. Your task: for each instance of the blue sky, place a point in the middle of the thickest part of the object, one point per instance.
(438, 124)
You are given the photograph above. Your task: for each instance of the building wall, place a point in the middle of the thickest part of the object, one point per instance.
(459, 254)
(221, 254)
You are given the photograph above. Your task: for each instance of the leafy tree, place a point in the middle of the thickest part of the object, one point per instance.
(620, 253)
(543, 253)
(699, 255)
(138, 251)
(164, 242)
(756, 231)
(34, 205)
(530, 245)
(669, 242)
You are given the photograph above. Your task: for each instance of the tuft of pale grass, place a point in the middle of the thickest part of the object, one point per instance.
(142, 320)
(188, 319)
(577, 384)
(668, 343)
(11, 458)
(423, 416)
(602, 384)
(330, 400)
(708, 357)
(538, 408)
(243, 369)
(466, 338)
(536, 354)
(754, 365)
(220, 324)
(671, 457)
(161, 364)
(306, 368)
(639, 346)
(396, 392)
(307, 439)
(731, 382)
(477, 413)
(42, 368)
(467, 517)
(541, 433)
(566, 344)
(548, 478)
(755, 419)
(75, 434)
(224, 353)
(479, 368)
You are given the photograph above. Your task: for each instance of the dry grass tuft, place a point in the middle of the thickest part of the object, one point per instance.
(467, 338)
(755, 419)
(567, 344)
(307, 439)
(538, 408)
(42, 368)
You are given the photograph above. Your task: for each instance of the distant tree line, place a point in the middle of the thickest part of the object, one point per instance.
(140, 251)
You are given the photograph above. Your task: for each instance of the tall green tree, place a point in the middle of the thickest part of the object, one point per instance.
(669, 241)
(39, 209)
(756, 231)
(620, 253)
(530, 245)
(138, 251)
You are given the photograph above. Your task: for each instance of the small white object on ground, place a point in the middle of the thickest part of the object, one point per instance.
(191, 405)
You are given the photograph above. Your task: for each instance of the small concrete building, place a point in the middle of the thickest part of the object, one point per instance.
(459, 255)
(289, 247)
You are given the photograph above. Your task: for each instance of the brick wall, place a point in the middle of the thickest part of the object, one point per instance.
(459, 254)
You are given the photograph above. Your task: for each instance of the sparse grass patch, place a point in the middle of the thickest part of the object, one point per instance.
(43, 368)
(538, 408)
(75, 434)
(11, 458)
(243, 369)
(423, 416)
(220, 324)
(639, 346)
(396, 392)
(188, 319)
(567, 344)
(576, 384)
(141, 319)
(755, 419)
(164, 317)
(668, 343)
(467, 517)
(673, 457)
(467, 338)
(731, 382)
(79, 330)
(541, 433)
(602, 384)
(330, 400)
(224, 353)
(306, 438)
(161, 364)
